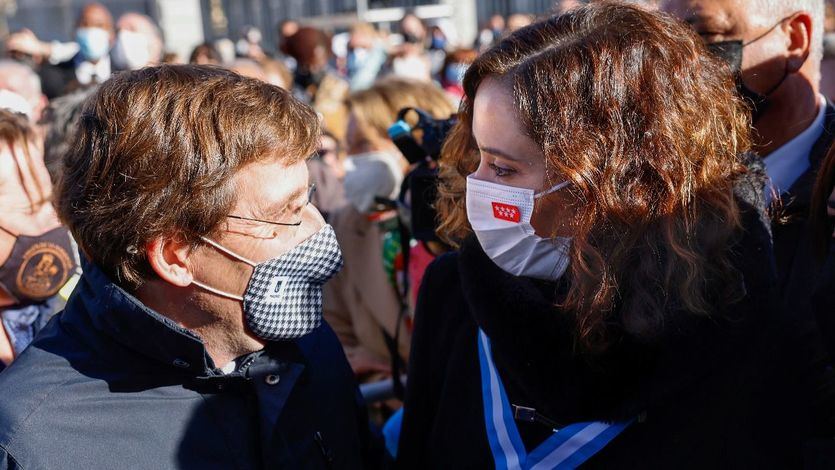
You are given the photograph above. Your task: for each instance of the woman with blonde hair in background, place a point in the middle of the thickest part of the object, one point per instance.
(363, 303)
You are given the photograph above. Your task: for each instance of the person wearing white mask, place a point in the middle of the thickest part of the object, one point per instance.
(374, 168)
(363, 302)
(138, 42)
(365, 56)
(612, 302)
(21, 89)
(410, 59)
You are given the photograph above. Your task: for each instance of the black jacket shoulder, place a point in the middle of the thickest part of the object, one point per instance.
(712, 392)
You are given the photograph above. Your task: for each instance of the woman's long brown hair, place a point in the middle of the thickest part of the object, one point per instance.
(630, 108)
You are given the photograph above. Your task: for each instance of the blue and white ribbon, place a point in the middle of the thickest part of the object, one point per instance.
(567, 448)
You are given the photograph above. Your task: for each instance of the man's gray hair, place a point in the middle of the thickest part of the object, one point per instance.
(779, 9)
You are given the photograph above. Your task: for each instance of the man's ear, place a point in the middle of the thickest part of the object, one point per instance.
(799, 32)
(169, 258)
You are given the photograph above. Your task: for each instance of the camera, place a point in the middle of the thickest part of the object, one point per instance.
(421, 144)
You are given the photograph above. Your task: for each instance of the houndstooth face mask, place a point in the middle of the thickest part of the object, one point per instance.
(283, 299)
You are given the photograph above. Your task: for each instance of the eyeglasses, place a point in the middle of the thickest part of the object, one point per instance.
(310, 190)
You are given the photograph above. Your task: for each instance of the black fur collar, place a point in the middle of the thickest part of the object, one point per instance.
(534, 349)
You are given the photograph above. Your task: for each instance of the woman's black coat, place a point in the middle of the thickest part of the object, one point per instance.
(743, 388)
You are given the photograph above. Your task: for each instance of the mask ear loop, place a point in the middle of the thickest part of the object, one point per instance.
(745, 44)
(231, 253)
(786, 72)
(217, 291)
(552, 190)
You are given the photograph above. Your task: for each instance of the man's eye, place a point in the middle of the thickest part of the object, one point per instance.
(500, 171)
(710, 36)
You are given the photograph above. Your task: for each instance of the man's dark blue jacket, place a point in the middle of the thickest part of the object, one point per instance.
(110, 383)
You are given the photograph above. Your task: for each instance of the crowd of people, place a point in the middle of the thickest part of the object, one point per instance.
(603, 237)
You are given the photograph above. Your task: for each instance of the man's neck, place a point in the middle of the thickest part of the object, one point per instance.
(222, 333)
(785, 119)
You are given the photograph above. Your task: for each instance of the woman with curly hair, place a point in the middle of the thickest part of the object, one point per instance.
(612, 299)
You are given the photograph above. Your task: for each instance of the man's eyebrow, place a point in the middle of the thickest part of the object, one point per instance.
(500, 153)
(696, 19)
(708, 22)
(274, 211)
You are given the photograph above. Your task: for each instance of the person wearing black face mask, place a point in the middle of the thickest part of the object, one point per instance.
(775, 49)
(37, 255)
(731, 52)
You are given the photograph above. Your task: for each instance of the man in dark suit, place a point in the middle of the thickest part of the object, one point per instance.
(776, 47)
(91, 64)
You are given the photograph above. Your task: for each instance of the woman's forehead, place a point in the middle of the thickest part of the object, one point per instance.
(497, 126)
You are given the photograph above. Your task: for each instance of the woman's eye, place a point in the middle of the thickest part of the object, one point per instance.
(500, 171)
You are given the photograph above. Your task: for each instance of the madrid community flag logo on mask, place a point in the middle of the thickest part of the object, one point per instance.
(506, 212)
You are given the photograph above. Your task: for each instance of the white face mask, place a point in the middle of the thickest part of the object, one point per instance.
(14, 102)
(131, 51)
(371, 175)
(412, 67)
(501, 219)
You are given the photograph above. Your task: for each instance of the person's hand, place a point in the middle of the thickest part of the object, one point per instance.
(26, 42)
(364, 362)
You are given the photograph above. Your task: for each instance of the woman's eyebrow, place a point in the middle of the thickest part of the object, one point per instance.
(500, 153)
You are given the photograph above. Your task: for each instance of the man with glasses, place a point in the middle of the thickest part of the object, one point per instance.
(195, 337)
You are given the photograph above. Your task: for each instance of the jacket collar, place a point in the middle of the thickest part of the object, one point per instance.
(799, 197)
(117, 313)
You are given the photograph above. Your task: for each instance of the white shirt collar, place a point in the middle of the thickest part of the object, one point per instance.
(229, 367)
(786, 164)
(85, 70)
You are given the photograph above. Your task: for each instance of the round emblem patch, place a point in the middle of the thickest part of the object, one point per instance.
(44, 269)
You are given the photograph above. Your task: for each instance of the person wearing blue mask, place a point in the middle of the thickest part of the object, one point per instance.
(94, 37)
(612, 300)
(366, 56)
(452, 72)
